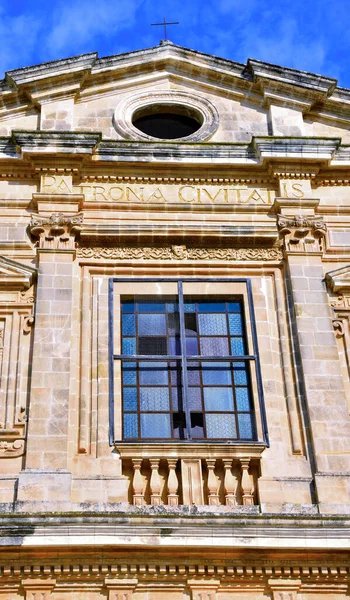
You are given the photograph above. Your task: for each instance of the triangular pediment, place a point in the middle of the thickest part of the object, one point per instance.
(339, 279)
(87, 76)
(15, 275)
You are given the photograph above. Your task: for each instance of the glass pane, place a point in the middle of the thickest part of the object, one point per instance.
(154, 398)
(190, 324)
(193, 376)
(128, 325)
(194, 398)
(221, 426)
(129, 373)
(175, 375)
(235, 323)
(240, 376)
(130, 399)
(152, 345)
(155, 426)
(130, 426)
(176, 398)
(150, 306)
(189, 307)
(174, 346)
(191, 346)
(212, 324)
(173, 323)
(179, 425)
(245, 427)
(212, 307)
(214, 346)
(218, 399)
(151, 324)
(153, 373)
(172, 307)
(128, 306)
(197, 428)
(216, 373)
(242, 399)
(234, 307)
(129, 346)
(237, 346)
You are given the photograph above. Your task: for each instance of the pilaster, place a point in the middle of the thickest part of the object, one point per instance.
(46, 475)
(303, 234)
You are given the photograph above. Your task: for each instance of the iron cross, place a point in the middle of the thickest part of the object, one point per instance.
(165, 24)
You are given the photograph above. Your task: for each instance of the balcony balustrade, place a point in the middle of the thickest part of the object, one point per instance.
(198, 474)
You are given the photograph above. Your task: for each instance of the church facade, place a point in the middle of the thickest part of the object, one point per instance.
(174, 330)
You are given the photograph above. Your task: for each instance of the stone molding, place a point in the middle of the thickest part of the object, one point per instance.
(180, 252)
(122, 119)
(301, 233)
(56, 232)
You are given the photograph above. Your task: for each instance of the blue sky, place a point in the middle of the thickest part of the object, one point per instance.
(308, 35)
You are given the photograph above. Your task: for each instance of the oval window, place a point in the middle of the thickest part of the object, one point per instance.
(167, 122)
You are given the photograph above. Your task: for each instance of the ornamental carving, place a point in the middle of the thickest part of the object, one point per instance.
(180, 252)
(341, 302)
(57, 232)
(302, 233)
(11, 448)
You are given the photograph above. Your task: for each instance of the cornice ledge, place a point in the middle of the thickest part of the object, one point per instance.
(8, 148)
(170, 151)
(304, 79)
(341, 156)
(50, 69)
(315, 148)
(15, 275)
(64, 142)
(338, 280)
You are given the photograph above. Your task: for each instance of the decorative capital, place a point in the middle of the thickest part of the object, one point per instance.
(56, 232)
(302, 233)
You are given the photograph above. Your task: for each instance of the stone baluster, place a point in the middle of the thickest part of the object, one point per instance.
(173, 484)
(138, 483)
(247, 483)
(230, 483)
(213, 498)
(155, 483)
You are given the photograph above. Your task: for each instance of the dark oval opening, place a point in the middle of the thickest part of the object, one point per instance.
(167, 123)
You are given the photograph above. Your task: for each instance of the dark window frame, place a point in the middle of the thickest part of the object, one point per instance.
(253, 357)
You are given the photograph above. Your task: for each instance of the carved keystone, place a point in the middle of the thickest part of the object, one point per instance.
(203, 590)
(120, 589)
(284, 589)
(57, 232)
(38, 589)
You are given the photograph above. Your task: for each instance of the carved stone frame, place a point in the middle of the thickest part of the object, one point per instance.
(123, 114)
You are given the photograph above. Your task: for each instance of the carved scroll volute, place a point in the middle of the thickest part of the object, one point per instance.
(213, 497)
(57, 232)
(155, 483)
(247, 483)
(138, 483)
(230, 483)
(173, 484)
(302, 233)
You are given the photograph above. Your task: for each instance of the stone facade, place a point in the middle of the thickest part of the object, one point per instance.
(253, 206)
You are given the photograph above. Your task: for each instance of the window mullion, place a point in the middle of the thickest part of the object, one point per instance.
(184, 374)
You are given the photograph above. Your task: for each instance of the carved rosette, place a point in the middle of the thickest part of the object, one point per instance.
(302, 234)
(56, 232)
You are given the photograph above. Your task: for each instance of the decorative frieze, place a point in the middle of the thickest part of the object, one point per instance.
(180, 252)
(302, 233)
(56, 232)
